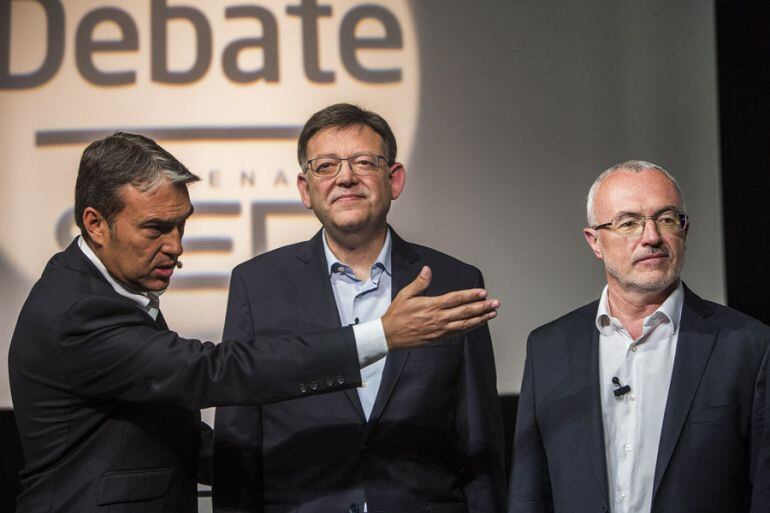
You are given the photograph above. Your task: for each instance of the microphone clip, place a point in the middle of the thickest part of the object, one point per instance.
(621, 390)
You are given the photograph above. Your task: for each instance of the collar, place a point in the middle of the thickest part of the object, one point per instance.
(671, 309)
(383, 259)
(146, 300)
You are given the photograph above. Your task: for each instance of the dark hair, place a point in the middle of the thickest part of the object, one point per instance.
(343, 115)
(119, 159)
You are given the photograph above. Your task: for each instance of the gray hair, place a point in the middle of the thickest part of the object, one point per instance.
(633, 166)
(117, 160)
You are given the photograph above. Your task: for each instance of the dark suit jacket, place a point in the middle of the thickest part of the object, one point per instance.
(107, 401)
(713, 454)
(434, 439)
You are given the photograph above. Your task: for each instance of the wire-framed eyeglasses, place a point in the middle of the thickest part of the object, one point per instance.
(362, 164)
(630, 225)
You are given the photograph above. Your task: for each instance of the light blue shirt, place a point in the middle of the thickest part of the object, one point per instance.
(359, 302)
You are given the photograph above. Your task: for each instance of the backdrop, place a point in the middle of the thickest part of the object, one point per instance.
(505, 112)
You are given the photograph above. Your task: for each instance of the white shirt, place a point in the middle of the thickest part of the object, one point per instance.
(633, 422)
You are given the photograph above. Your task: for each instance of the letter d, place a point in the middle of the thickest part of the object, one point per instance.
(54, 50)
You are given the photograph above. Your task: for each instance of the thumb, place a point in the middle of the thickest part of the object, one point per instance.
(419, 284)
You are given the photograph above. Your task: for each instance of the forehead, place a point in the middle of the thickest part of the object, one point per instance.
(342, 141)
(645, 192)
(168, 201)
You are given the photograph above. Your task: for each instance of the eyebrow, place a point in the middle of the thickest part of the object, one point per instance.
(667, 208)
(169, 222)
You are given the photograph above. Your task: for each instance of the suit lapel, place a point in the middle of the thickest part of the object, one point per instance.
(78, 261)
(584, 356)
(314, 289)
(405, 266)
(160, 322)
(693, 349)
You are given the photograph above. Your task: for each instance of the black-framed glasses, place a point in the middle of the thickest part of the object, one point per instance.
(362, 164)
(631, 225)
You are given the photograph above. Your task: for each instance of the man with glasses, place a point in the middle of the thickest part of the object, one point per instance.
(424, 431)
(650, 399)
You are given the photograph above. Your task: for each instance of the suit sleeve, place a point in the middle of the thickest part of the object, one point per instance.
(530, 490)
(112, 349)
(760, 440)
(237, 429)
(480, 424)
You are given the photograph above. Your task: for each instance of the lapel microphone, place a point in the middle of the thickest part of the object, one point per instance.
(621, 390)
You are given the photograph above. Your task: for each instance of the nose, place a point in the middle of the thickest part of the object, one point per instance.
(650, 233)
(346, 176)
(172, 243)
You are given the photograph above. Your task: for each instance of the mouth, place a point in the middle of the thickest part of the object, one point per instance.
(653, 259)
(164, 272)
(348, 197)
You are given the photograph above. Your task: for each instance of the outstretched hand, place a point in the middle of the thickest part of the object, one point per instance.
(413, 319)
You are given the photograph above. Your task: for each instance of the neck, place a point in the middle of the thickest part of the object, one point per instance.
(631, 306)
(97, 250)
(356, 249)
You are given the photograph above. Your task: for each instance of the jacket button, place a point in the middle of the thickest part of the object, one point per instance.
(313, 385)
(354, 508)
(329, 382)
(605, 510)
(302, 388)
(340, 379)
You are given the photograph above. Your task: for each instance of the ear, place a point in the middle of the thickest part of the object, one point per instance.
(397, 180)
(96, 226)
(303, 186)
(592, 238)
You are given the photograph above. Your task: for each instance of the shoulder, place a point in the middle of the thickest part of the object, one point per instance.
(277, 259)
(567, 325)
(439, 260)
(728, 322)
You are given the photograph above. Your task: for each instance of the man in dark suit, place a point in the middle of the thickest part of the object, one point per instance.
(106, 398)
(424, 431)
(650, 399)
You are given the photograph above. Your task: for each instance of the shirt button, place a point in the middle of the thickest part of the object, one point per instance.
(633, 348)
(627, 448)
(622, 497)
(632, 397)
(363, 384)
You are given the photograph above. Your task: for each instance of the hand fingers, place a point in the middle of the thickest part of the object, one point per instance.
(470, 323)
(418, 285)
(470, 310)
(458, 298)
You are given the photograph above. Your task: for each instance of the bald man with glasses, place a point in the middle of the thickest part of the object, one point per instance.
(651, 399)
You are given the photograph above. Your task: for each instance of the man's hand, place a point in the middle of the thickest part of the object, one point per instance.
(412, 319)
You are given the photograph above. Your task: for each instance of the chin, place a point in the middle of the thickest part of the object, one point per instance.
(350, 224)
(655, 283)
(155, 286)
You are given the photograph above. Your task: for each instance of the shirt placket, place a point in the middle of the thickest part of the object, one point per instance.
(626, 427)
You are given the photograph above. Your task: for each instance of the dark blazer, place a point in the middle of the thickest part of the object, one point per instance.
(713, 454)
(107, 401)
(434, 439)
